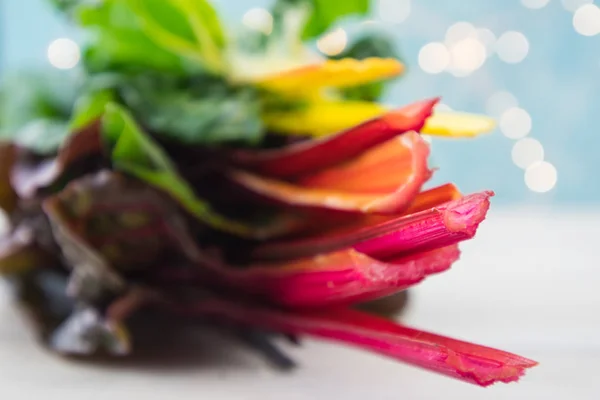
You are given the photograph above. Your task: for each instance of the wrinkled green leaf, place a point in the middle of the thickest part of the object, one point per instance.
(189, 28)
(326, 13)
(137, 154)
(323, 14)
(127, 222)
(168, 35)
(195, 111)
(202, 16)
(118, 43)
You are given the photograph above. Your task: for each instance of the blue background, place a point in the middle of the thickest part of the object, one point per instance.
(558, 84)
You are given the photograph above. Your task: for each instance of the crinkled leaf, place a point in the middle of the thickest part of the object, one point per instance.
(201, 110)
(326, 13)
(134, 152)
(172, 35)
(117, 41)
(323, 13)
(92, 278)
(178, 27)
(130, 224)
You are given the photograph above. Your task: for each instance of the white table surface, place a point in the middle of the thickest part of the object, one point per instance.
(529, 283)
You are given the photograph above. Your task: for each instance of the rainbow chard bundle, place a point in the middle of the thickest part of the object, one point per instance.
(235, 177)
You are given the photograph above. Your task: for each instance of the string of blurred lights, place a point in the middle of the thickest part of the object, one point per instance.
(586, 15)
(464, 50)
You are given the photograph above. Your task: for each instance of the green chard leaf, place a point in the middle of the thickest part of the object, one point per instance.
(199, 110)
(137, 154)
(326, 13)
(167, 35)
(323, 14)
(118, 43)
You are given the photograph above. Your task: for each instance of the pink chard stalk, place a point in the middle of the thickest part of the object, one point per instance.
(258, 186)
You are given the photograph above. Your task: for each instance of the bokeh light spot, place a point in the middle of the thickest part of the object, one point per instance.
(333, 43)
(541, 177)
(64, 53)
(515, 123)
(586, 20)
(526, 152)
(466, 56)
(512, 47)
(434, 58)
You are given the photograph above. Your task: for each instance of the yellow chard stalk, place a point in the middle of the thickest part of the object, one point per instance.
(323, 115)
